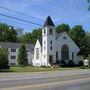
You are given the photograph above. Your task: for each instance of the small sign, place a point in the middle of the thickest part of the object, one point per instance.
(86, 62)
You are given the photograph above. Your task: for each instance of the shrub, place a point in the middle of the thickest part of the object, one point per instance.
(71, 63)
(57, 62)
(80, 63)
(22, 56)
(63, 63)
(3, 59)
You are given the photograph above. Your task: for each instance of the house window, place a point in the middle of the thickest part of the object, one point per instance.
(50, 59)
(37, 53)
(13, 57)
(51, 47)
(72, 55)
(57, 55)
(44, 31)
(50, 31)
(64, 37)
(13, 50)
(65, 52)
(51, 42)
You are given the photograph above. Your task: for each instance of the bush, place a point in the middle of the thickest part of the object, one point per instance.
(57, 62)
(3, 59)
(89, 59)
(63, 63)
(80, 63)
(71, 63)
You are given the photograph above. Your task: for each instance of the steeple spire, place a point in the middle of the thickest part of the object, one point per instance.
(48, 22)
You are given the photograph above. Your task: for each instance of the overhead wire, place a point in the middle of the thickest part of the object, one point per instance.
(20, 13)
(20, 19)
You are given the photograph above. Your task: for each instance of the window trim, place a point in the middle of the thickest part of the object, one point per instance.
(13, 50)
(37, 53)
(56, 55)
(13, 57)
(65, 52)
(50, 47)
(51, 42)
(50, 31)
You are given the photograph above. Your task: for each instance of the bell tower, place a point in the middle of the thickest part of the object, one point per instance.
(48, 42)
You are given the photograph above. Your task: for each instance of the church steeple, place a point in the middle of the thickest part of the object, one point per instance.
(48, 41)
(48, 22)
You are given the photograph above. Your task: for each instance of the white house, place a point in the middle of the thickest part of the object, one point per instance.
(13, 49)
(52, 47)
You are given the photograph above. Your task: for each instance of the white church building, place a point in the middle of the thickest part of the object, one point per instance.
(49, 49)
(53, 47)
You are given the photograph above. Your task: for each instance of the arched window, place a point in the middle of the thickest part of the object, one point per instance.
(37, 53)
(50, 31)
(65, 52)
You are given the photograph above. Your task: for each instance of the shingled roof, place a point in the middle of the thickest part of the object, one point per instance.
(48, 22)
(15, 45)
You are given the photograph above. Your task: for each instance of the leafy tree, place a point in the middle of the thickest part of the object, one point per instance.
(22, 56)
(30, 37)
(36, 33)
(88, 42)
(78, 34)
(62, 27)
(19, 32)
(3, 59)
(7, 33)
(26, 38)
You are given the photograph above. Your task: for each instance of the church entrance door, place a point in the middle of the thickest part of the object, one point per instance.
(50, 59)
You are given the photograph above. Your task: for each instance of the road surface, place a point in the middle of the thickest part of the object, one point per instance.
(57, 80)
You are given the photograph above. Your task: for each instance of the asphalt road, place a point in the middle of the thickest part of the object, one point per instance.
(57, 80)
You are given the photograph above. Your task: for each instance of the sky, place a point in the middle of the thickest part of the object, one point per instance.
(72, 12)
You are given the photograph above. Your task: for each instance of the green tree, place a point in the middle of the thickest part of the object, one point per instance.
(7, 33)
(88, 42)
(4, 59)
(26, 38)
(22, 56)
(36, 33)
(78, 34)
(62, 27)
(19, 31)
(30, 37)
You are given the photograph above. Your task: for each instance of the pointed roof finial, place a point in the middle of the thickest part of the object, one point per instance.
(48, 22)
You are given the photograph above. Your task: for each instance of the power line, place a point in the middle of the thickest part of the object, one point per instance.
(5, 21)
(20, 19)
(20, 13)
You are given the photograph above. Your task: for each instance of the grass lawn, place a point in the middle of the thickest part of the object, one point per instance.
(36, 69)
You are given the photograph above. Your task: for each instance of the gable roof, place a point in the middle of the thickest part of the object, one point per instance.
(58, 35)
(48, 22)
(15, 45)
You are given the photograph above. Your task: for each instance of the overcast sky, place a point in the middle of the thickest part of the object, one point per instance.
(72, 12)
